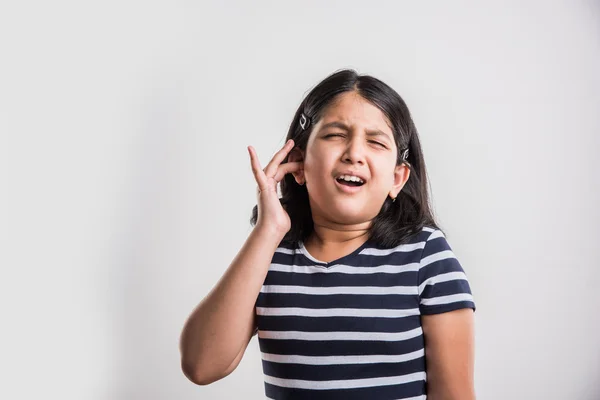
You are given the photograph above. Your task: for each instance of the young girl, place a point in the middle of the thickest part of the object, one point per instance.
(347, 279)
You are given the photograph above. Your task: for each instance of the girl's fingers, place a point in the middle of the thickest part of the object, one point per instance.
(259, 175)
(278, 158)
(287, 168)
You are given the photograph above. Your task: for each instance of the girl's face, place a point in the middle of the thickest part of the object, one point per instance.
(353, 138)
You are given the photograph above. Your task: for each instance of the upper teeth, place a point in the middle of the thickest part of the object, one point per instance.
(351, 178)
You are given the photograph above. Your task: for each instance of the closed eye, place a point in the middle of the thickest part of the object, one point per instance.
(342, 135)
(380, 144)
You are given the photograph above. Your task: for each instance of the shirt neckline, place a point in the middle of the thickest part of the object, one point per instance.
(305, 253)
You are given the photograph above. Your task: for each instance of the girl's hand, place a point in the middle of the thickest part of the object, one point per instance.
(270, 212)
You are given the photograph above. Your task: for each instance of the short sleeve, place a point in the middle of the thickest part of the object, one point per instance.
(443, 284)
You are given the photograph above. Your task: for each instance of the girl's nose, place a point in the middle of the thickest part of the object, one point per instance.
(355, 152)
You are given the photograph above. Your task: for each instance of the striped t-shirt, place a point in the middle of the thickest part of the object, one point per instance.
(351, 328)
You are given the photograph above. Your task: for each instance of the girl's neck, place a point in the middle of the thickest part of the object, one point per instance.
(324, 236)
(330, 242)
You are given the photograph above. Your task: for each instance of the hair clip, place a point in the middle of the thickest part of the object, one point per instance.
(405, 154)
(304, 121)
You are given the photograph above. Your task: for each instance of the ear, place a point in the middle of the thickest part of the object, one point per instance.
(297, 155)
(401, 174)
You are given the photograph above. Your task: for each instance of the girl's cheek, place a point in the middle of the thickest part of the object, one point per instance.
(311, 165)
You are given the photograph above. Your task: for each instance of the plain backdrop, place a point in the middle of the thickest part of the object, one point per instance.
(128, 188)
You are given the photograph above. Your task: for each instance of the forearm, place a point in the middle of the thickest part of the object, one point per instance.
(220, 325)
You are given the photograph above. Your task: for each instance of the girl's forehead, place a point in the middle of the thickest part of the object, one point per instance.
(353, 110)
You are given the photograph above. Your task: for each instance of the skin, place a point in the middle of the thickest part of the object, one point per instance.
(450, 353)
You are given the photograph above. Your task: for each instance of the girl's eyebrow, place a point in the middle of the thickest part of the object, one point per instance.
(341, 125)
(335, 124)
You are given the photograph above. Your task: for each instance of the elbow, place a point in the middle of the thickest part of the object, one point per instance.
(197, 375)
(194, 366)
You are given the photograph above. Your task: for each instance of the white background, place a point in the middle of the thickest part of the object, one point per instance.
(128, 190)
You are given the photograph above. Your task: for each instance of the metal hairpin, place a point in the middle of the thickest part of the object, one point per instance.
(405, 154)
(304, 121)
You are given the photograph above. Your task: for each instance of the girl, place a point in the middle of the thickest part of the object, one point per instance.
(347, 279)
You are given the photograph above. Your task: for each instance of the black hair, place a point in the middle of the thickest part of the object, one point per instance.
(397, 221)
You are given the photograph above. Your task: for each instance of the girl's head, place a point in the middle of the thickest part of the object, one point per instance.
(356, 125)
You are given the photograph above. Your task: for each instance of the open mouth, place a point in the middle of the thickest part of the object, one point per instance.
(350, 181)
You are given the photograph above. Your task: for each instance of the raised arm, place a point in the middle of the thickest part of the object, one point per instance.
(220, 327)
(217, 332)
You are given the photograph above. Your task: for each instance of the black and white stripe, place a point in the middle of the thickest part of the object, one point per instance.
(351, 329)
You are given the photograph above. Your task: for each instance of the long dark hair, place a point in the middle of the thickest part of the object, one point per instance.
(397, 221)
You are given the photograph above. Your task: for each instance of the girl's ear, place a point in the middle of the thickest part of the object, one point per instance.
(401, 174)
(297, 155)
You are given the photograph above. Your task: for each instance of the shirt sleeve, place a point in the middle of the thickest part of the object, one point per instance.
(443, 285)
